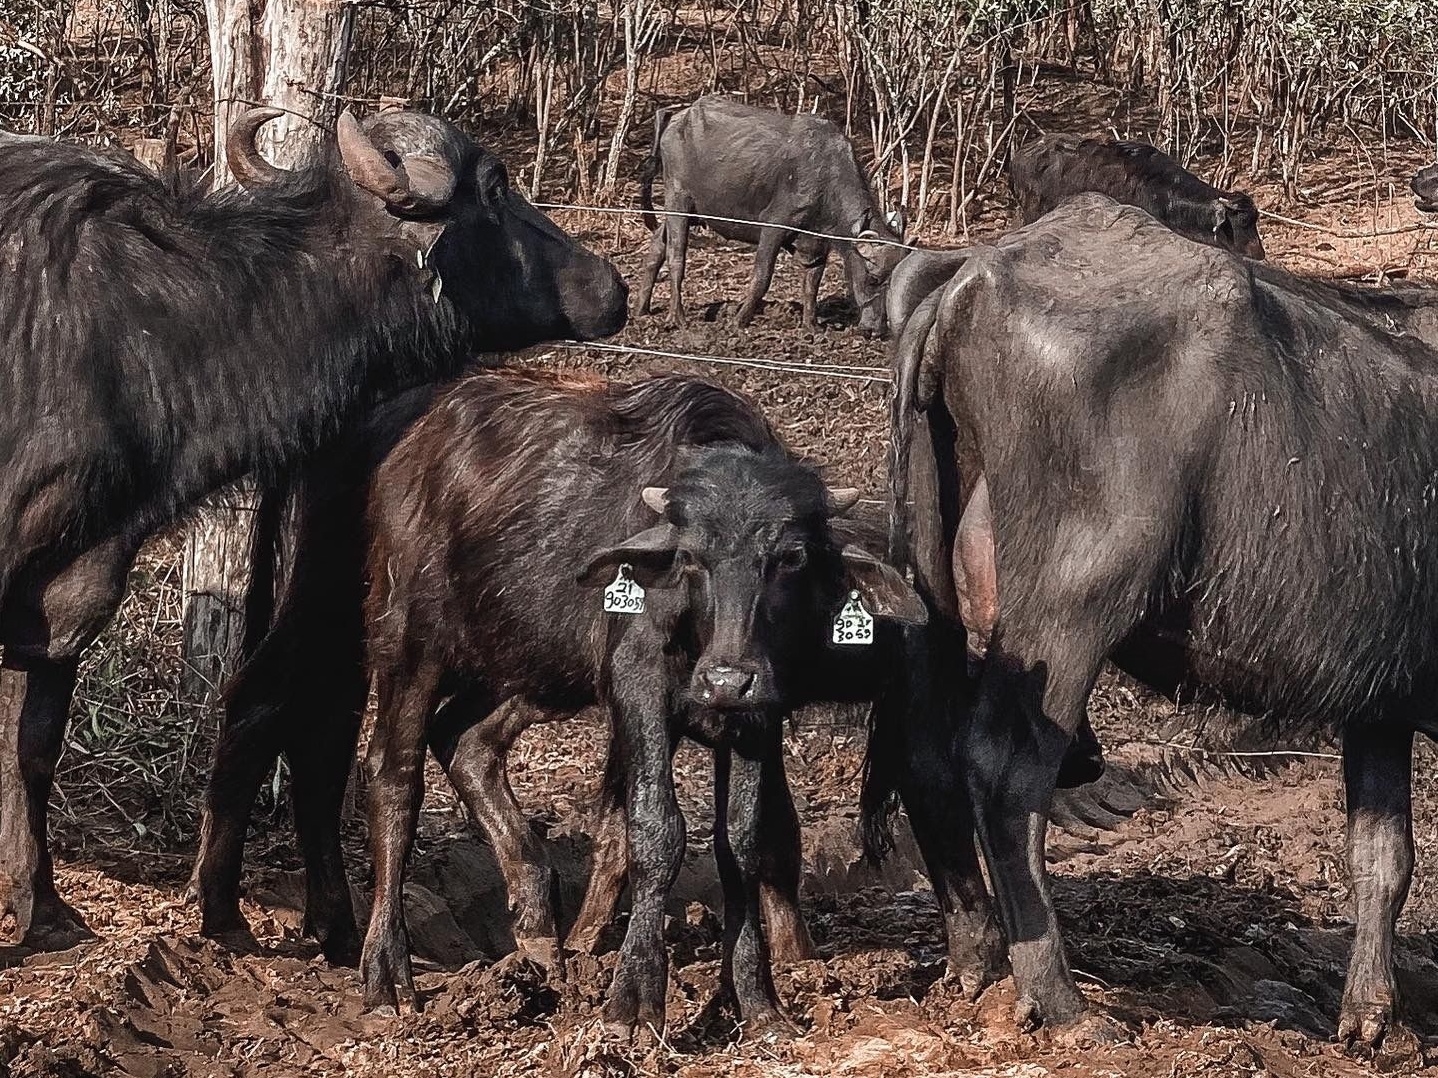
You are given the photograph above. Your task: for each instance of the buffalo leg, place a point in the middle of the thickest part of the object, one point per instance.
(770, 240)
(321, 757)
(1031, 700)
(780, 866)
(943, 826)
(34, 707)
(48, 622)
(610, 863)
(746, 974)
(396, 768)
(813, 274)
(676, 232)
(245, 751)
(656, 848)
(471, 739)
(1378, 780)
(649, 273)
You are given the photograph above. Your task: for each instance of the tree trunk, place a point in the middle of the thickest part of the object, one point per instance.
(290, 54)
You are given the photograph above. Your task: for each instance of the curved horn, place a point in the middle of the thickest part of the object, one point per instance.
(657, 498)
(367, 166)
(840, 499)
(246, 164)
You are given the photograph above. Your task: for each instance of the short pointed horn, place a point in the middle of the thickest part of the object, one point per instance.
(657, 498)
(246, 164)
(841, 499)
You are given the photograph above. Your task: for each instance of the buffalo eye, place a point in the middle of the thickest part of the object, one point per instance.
(791, 559)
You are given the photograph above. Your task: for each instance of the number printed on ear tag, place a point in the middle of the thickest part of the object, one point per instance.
(624, 596)
(854, 625)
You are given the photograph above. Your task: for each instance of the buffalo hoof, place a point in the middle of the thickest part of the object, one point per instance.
(1372, 1026)
(340, 945)
(769, 1025)
(1093, 1030)
(388, 982)
(543, 951)
(629, 1020)
(237, 939)
(17, 909)
(57, 926)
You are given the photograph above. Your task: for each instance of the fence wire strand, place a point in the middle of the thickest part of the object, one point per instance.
(817, 370)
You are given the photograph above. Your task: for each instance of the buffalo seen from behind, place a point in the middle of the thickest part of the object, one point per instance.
(1222, 477)
(535, 495)
(158, 345)
(1050, 169)
(722, 158)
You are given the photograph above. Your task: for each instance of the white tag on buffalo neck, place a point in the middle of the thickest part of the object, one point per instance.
(624, 596)
(854, 625)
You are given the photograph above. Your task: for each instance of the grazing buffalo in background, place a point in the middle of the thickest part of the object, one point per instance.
(1425, 189)
(158, 345)
(723, 158)
(1050, 169)
(1222, 477)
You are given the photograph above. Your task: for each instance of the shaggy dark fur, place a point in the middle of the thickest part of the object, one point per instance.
(1223, 477)
(516, 485)
(722, 157)
(159, 344)
(1050, 169)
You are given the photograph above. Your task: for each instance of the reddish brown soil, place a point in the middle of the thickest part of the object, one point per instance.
(1212, 922)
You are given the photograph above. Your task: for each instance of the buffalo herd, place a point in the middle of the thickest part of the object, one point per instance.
(1116, 434)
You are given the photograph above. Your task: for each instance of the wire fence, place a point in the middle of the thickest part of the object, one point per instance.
(817, 370)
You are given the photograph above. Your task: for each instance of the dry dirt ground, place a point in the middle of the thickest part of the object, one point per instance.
(1204, 896)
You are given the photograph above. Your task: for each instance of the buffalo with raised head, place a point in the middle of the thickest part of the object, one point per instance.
(1051, 169)
(1216, 474)
(722, 158)
(156, 345)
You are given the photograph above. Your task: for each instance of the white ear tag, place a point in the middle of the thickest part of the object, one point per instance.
(624, 596)
(854, 624)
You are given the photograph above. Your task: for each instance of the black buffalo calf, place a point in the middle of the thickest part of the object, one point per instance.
(651, 548)
(1051, 169)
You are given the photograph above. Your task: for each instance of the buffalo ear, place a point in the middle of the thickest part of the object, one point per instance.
(650, 553)
(886, 594)
(1224, 211)
(870, 247)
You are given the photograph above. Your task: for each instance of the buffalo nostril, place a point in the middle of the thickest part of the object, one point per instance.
(726, 682)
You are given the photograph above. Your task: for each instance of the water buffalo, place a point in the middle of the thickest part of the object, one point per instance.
(743, 566)
(691, 589)
(159, 344)
(1222, 477)
(911, 303)
(723, 158)
(1425, 189)
(1050, 169)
